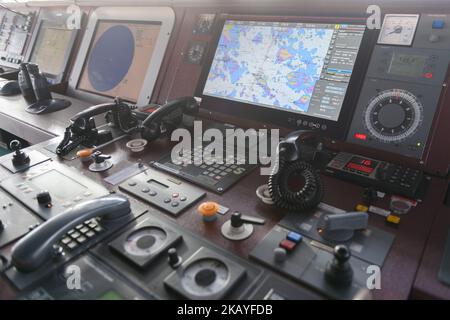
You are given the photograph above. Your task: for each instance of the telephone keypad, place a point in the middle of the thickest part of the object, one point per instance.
(80, 234)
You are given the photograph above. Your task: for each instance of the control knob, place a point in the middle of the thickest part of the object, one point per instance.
(44, 198)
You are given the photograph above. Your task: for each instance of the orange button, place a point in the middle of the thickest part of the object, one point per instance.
(208, 208)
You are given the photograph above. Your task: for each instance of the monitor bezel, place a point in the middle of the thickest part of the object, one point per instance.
(56, 18)
(334, 129)
(164, 16)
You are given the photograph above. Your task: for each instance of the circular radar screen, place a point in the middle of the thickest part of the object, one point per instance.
(205, 277)
(393, 115)
(145, 242)
(111, 58)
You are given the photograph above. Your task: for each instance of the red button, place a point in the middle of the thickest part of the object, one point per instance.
(428, 75)
(175, 195)
(287, 244)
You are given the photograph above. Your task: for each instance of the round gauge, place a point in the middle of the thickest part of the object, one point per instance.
(205, 277)
(195, 53)
(398, 29)
(146, 241)
(393, 115)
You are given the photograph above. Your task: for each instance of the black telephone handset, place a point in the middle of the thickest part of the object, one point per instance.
(296, 153)
(82, 129)
(36, 248)
(151, 126)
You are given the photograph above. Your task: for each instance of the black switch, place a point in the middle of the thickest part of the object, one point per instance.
(44, 198)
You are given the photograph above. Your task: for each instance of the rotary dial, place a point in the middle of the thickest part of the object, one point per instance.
(205, 277)
(393, 115)
(146, 241)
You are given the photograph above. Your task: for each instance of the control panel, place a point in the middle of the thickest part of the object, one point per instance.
(15, 29)
(51, 188)
(403, 84)
(385, 176)
(169, 262)
(163, 191)
(15, 220)
(328, 249)
(97, 283)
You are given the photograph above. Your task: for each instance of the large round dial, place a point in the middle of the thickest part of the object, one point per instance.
(393, 115)
(146, 241)
(205, 277)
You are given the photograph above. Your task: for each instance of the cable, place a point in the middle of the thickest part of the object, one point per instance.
(308, 197)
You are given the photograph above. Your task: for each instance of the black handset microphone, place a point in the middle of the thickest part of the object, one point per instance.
(151, 127)
(36, 248)
(295, 154)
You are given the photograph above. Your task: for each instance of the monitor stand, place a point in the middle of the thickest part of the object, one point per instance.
(48, 106)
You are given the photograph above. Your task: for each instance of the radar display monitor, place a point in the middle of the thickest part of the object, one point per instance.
(122, 55)
(119, 58)
(51, 44)
(284, 69)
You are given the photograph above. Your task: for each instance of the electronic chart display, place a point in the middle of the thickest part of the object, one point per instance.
(303, 68)
(118, 58)
(51, 48)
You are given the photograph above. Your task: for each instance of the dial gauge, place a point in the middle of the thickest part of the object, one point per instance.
(393, 115)
(145, 242)
(398, 29)
(205, 277)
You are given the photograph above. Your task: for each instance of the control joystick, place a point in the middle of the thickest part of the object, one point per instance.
(19, 158)
(338, 271)
(174, 259)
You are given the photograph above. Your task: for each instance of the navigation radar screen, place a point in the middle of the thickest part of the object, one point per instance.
(297, 67)
(118, 58)
(50, 48)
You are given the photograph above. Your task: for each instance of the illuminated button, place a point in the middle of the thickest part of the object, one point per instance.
(438, 24)
(362, 208)
(360, 136)
(294, 237)
(428, 75)
(287, 244)
(175, 195)
(393, 219)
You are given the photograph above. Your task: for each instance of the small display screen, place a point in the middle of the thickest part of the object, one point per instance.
(407, 65)
(118, 59)
(362, 165)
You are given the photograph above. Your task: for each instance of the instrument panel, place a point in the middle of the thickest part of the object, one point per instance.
(393, 111)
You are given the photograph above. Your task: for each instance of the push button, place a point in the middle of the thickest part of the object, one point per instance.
(438, 24)
(287, 244)
(294, 237)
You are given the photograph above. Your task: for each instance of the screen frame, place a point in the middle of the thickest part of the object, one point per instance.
(292, 120)
(164, 16)
(55, 18)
